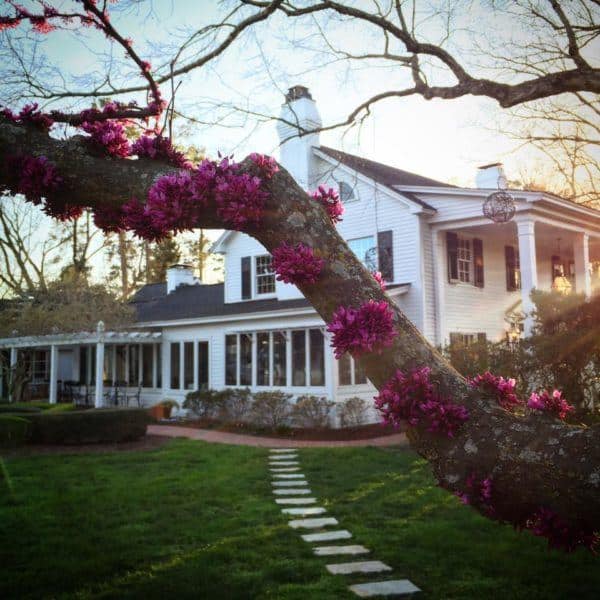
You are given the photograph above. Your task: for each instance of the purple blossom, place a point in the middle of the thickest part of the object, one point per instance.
(413, 398)
(109, 219)
(136, 219)
(296, 264)
(561, 535)
(110, 135)
(378, 277)
(330, 199)
(553, 403)
(240, 200)
(29, 115)
(58, 208)
(369, 328)
(499, 387)
(267, 164)
(34, 176)
(158, 147)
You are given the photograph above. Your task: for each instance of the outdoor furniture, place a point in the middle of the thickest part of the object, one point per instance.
(135, 396)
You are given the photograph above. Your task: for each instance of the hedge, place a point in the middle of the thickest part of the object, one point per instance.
(19, 407)
(89, 426)
(14, 430)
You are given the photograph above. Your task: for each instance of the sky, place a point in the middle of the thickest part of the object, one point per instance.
(442, 139)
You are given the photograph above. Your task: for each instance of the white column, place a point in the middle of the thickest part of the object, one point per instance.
(181, 366)
(528, 261)
(99, 392)
(13, 364)
(330, 366)
(581, 250)
(440, 278)
(195, 365)
(53, 373)
(154, 366)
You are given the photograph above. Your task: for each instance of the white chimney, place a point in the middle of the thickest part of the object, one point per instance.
(298, 114)
(179, 275)
(491, 177)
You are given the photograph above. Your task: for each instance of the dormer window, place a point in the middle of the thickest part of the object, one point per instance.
(265, 276)
(346, 191)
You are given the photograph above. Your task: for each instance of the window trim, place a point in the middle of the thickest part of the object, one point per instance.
(255, 276)
(353, 197)
(373, 247)
(352, 375)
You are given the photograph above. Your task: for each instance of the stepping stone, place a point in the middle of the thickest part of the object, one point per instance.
(312, 523)
(289, 476)
(331, 550)
(327, 536)
(282, 450)
(291, 492)
(368, 566)
(304, 512)
(283, 457)
(288, 483)
(285, 463)
(285, 470)
(295, 500)
(397, 587)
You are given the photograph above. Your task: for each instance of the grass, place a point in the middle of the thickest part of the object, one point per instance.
(198, 520)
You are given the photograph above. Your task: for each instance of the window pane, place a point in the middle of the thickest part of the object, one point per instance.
(317, 358)
(92, 379)
(188, 365)
(158, 366)
(299, 357)
(231, 360)
(147, 365)
(365, 250)
(359, 373)
(465, 259)
(262, 359)
(279, 358)
(133, 365)
(120, 375)
(175, 366)
(345, 370)
(203, 365)
(265, 276)
(245, 359)
(108, 354)
(83, 371)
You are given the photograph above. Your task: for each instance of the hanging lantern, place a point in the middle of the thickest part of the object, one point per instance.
(499, 207)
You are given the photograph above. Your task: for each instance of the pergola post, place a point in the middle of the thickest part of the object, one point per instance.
(581, 251)
(11, 375)
(528, 261)
(53, 374)
(99, 394)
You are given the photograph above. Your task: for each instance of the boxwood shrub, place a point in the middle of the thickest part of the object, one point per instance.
(19, 407)
(89, 426)
(14, 430)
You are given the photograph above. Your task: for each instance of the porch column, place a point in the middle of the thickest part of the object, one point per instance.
(440, 278)
(99, 393)
(53, 373)
(11, 373)
(154, 366)
(528, 261)
(583, 278)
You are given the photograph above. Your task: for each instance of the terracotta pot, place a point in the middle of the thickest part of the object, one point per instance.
(159, 412)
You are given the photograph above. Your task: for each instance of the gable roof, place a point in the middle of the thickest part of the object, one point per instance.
(390, 176)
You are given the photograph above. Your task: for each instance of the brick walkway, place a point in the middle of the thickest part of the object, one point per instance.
(224, 437)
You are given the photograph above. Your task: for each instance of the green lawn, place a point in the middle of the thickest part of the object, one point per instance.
(192, 520)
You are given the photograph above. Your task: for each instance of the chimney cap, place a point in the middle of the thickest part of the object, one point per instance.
(179, 266)
(496, 164)
(296, 92)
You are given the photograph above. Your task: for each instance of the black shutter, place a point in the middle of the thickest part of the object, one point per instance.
(478, 261)
(246, 278)
(452, 249)
(385, 250)
(509, 259)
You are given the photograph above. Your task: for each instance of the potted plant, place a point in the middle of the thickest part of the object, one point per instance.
(163, 409)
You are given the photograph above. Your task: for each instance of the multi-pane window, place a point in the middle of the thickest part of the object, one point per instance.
(262, 359)
(299, 357)
(350, 371)
(265, 276)
(188, 365)
(279, 358)
(317, 357)
(175, 366)
(203, 365)
(464, 260)
(231, 352)
(365, 250)
(346, 191)
(246, 359)
(147, 360)
(134, 366)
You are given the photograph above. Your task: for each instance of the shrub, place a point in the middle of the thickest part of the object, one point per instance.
(311, 411)
(89, 426)
(14, 430)
(236, 404)
(353, 412)
(19, 407)
(271, 409)
(205, 403)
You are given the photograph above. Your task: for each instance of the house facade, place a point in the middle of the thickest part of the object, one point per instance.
(458, 275)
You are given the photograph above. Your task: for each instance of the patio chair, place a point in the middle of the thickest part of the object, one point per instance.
(135, 396)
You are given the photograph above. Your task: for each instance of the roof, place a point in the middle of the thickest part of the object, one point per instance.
(390, 176)
(152, 303)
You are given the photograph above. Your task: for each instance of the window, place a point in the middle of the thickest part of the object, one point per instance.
(265, 276)
(262, 359)
(120, 375)
(158, 366)
(175, 366)
(513, 268)
(231, 346)
(299, 357)
(365, 250)
(346, 191)
(279, 358)
(465, 260)
(134, 366)
(202, 365)
(188, 365)
(83, 365)
(246, 359)
(317, 357)
(147, 360)
(350, 371)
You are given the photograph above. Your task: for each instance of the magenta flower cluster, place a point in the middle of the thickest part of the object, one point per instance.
(502, 389)
(560, 534)
(296, 264)
(267, 164)
(552, 403)
(29, 115)
(330, 199)
(412, 397)
(34, 176)
(157, 147)
(369, 328)
(240, 200)
(478, 491)
(378, 277)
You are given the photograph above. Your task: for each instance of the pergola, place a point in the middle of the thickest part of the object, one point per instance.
(98, 338)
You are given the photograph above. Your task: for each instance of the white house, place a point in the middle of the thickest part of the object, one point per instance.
(454, 272)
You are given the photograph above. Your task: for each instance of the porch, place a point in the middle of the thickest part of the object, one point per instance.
(100, 368)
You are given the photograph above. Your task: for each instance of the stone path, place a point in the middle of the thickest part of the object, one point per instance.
(287, 484)
(224, 437)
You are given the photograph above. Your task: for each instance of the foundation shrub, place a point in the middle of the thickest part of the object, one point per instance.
(14, 430)
(206, 403)
(271, 409)
(312, 412)
(353, 412)
(236, 405)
